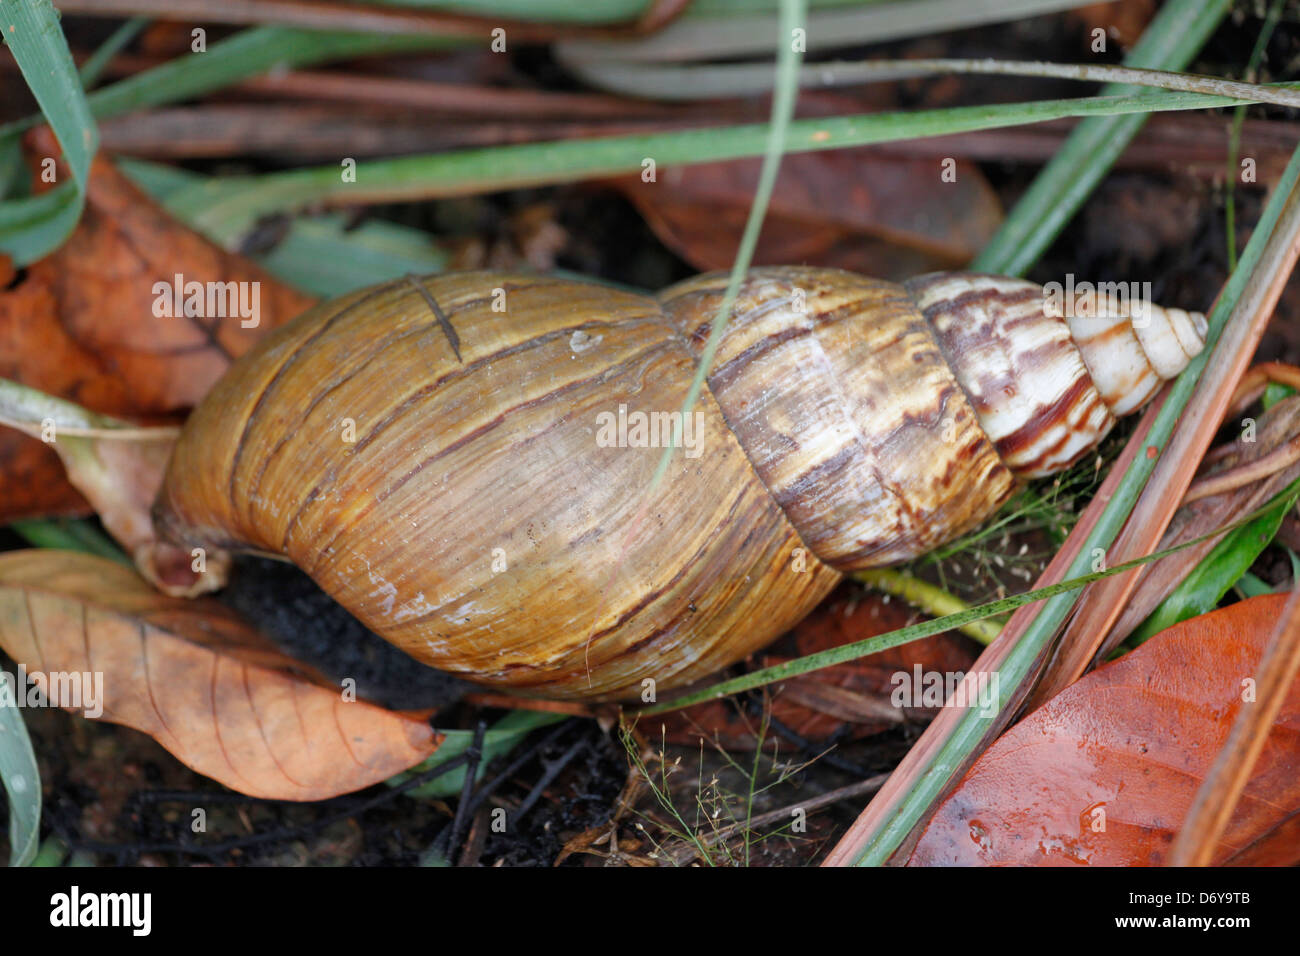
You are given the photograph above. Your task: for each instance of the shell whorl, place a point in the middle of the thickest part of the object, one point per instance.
(1130, 356)
(852, 418)
(1048, 378)
(888, 419)
(477, 521)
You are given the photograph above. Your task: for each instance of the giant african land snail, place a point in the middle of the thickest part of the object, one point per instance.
(483, 522)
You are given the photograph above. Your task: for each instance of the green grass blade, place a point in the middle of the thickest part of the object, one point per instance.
(33, 226)
(1251, 586)
(32, 33)
(1170, 42)
(793, 14)
(159, 180)
(327, 259)
(226, 208)
(70, 534)
(320, 255)
(500, 739)
(1219, 570)
(115, 44)
(1234, 137)
(1274, 392)
(247, 53)
(53, 852)
(11, 166)
(21, 778)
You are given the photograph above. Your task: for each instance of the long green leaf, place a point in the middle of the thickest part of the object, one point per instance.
(115, 44)
(246, 54)
(227, 208)
(322, 255)
(21, 778)
(34, 227)
(1219, 570)
(70, 534)
(784, 94)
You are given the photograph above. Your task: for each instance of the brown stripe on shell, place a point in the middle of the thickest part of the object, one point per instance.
(349, 306)
(552, 394)
(1027, 381)
(1115, 359)
(346, 374)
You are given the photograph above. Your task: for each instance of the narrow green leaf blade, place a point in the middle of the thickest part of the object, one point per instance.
(226, 208)
(319, 254)
(37, 226)
(21, 778)
(500, 739)
(1217, 572)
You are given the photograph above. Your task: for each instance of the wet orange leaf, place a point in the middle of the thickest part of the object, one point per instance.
(1105, 772)
(200, 680)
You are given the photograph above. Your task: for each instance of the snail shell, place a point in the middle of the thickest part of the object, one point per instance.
(482, 520)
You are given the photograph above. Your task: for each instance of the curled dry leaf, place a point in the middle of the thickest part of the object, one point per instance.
(81, 324)
(850, 209)
(854, 698)
(119, 468)
(1105, 772)
(200, 680)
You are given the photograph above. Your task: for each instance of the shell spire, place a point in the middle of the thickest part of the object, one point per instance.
(1050, 368)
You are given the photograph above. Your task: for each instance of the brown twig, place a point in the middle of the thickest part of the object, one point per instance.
(1222, 787)
(460, 98)
(1249, 389)
(1256, 379)
(311, 131)
(1233, 478)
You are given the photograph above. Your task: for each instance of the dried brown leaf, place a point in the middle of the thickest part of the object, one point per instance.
(200, 680)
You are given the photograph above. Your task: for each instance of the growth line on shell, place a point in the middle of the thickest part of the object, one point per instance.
(452, 338)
